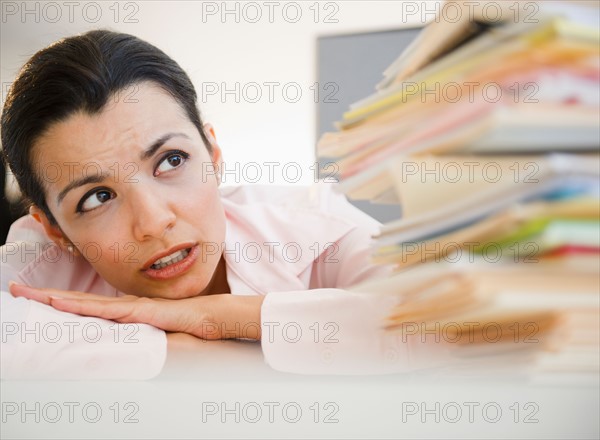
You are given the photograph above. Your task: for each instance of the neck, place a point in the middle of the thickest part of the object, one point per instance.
(218, 283)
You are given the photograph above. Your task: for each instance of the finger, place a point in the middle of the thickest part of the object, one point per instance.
(169, 315)
(43, 294)
(120, 311)
(21, 291)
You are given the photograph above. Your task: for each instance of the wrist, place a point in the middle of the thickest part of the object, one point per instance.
(246, 316)
(231, 317)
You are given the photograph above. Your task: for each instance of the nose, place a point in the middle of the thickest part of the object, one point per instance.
(152, 216)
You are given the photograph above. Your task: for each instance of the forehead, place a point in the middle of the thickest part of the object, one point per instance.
(130, 121)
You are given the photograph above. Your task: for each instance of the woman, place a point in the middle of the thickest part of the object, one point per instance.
(128, 223)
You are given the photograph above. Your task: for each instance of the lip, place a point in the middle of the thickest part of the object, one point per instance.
(162, 254)
(174, 269)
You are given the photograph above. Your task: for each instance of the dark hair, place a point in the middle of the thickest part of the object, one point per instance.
(81, 73)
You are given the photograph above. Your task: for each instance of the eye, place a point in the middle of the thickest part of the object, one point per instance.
(172, 160)
(94, 199)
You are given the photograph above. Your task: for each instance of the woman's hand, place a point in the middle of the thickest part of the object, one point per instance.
(208, 317)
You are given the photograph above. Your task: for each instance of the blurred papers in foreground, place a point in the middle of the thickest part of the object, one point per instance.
(486, 131)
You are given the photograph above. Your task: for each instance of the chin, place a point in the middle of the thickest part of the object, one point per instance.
(186, 287)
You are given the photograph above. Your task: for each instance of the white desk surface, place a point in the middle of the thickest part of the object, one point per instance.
(223, 389)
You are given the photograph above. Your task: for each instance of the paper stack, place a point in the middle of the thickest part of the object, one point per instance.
(486, 131)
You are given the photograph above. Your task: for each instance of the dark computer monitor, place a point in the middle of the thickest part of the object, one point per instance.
(348, 68)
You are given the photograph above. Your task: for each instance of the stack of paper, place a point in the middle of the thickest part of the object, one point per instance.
(487, 133)
(516, 87)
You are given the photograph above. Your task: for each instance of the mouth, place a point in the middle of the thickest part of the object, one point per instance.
(173, 258)
(172, 264)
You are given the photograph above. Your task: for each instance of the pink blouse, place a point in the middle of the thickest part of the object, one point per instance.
(302, 247)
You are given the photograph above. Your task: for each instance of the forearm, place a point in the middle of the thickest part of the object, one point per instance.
(235, 316)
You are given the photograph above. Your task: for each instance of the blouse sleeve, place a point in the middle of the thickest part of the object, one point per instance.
(40, 342)
(331, 329)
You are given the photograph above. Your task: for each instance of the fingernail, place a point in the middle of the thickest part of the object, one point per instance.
(12, 283)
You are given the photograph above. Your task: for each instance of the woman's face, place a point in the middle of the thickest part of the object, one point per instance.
(130, 185)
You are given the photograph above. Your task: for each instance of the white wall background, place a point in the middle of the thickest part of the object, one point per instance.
(218, 50)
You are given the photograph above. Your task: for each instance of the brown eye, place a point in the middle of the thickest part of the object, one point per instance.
(171, 161)
(103, 196)
(175, 160)
(94, 200)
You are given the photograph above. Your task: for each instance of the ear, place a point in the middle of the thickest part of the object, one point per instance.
(53, 231)
(217, 155)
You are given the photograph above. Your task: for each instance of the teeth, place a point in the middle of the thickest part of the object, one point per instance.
(170, 259)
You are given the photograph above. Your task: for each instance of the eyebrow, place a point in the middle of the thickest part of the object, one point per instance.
(97, 178)
(149, 152)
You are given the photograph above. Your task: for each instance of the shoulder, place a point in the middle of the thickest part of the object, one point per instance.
(308, 217)
(292, 227)
(31, 257)
(25, 244)
(320, 198)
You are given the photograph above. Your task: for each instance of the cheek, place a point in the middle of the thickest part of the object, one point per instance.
(114, 260)
(202, 209)
(109, 250)
(113, 256)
